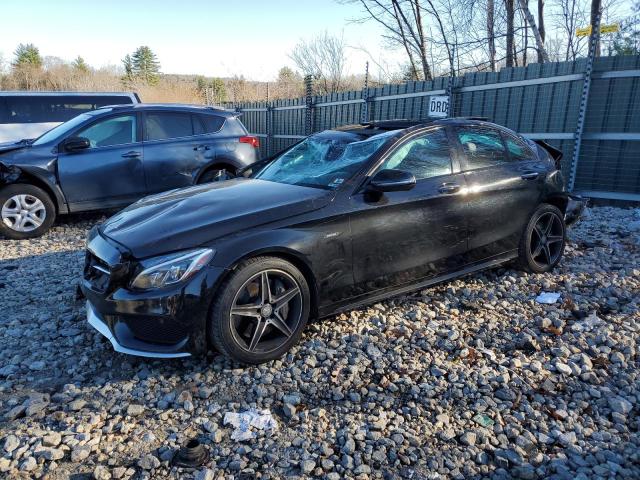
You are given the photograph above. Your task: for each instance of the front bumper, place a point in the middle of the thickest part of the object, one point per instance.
(163, 323)
(96, 322)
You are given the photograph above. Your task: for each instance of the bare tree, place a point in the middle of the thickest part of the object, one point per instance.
(510, 12)
(491, 36)
(323, 56)
(541, 28)
(542, 53)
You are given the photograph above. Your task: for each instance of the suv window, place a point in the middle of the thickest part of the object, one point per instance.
(518, 151)
(425, 156)
(164, 125)
(482, 147)
(111, 131)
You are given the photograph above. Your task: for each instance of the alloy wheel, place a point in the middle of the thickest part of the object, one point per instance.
(23, 213)
(266, 311)
(547, 239)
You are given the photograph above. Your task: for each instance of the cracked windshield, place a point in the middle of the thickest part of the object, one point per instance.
(323, 161)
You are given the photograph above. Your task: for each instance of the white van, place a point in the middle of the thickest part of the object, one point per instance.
(30, 114)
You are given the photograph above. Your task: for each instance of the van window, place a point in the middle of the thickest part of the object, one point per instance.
(53, 108)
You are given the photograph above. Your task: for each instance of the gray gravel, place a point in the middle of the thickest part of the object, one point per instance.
(471, 378)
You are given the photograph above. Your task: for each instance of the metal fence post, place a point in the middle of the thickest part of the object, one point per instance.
(452, 77)
(308, 119)
(584, 100)
(364, 113)
(269, 127)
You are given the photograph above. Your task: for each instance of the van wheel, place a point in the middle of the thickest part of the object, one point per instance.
(26, 211)
(542, 242)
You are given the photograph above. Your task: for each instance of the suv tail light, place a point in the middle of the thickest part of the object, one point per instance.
(253, 141)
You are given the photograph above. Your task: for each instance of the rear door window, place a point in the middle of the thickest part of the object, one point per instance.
(166, 125)
(518, 150)
(482, 147)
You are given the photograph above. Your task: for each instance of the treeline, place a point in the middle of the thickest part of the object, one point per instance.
(140, 72)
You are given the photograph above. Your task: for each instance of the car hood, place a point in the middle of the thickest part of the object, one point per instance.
(7, 147)
(194, 216)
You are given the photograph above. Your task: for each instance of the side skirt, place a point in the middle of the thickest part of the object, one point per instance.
(386, 294)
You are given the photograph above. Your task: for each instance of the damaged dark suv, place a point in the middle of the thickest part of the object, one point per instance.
(113, 156)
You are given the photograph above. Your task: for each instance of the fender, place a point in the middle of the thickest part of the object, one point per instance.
(45, 178)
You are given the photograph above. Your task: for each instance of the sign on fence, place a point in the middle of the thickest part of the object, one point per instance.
(439, 106)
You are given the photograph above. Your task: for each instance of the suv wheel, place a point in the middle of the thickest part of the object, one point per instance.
(542, 242)
(26, 211)
(261, 310)
(216, 175)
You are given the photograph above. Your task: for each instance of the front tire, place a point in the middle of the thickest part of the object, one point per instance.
(260, 310)
(542, 242)
(26, 211)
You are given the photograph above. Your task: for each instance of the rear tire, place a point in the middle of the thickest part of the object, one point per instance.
(217, 175)
(26, 211)
(253, 324)
(542, 242)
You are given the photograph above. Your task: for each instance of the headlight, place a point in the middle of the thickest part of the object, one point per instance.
(171, 269)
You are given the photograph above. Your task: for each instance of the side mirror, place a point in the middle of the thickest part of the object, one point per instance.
(391, 181)
(74, 144)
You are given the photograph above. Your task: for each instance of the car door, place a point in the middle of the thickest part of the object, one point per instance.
(503, 189)
(402, 237)
(109, 173)
(173, 152)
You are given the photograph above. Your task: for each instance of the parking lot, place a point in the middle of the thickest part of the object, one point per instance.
(469, 378)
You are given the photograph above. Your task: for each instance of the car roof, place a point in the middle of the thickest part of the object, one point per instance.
(381, 126)
(168, 106)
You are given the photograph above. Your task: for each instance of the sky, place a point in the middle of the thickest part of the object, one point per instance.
(207, 37)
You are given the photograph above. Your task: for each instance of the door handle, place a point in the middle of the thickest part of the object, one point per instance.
(530, 175)
(201, 147)
(449, 188)
(131, 154)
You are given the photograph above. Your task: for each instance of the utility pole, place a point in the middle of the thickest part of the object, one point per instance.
(596, 10)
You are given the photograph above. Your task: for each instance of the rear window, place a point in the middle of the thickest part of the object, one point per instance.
(53, 108)
(211, 123)
(165, 125)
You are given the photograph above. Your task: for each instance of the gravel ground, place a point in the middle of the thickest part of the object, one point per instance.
(471, 378)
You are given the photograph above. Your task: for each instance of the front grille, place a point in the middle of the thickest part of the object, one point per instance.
(96, 272)
(156, 330)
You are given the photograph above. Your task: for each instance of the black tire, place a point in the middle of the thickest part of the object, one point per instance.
(232, 335)
(542, 242)
(7, 203)
(216, 175)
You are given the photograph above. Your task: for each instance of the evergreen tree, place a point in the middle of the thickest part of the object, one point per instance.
(128, 67)
(80, 65)
(27, 55)
(145, 65)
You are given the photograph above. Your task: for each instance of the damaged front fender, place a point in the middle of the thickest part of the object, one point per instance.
(9, 173)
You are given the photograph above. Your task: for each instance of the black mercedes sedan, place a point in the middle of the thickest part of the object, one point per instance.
(343, 218)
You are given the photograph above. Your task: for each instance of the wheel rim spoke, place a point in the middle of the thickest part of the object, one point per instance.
(278, 322)
(285, 297)
(554, 239)
(265, 289)
(257, 334)
(246, 310)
